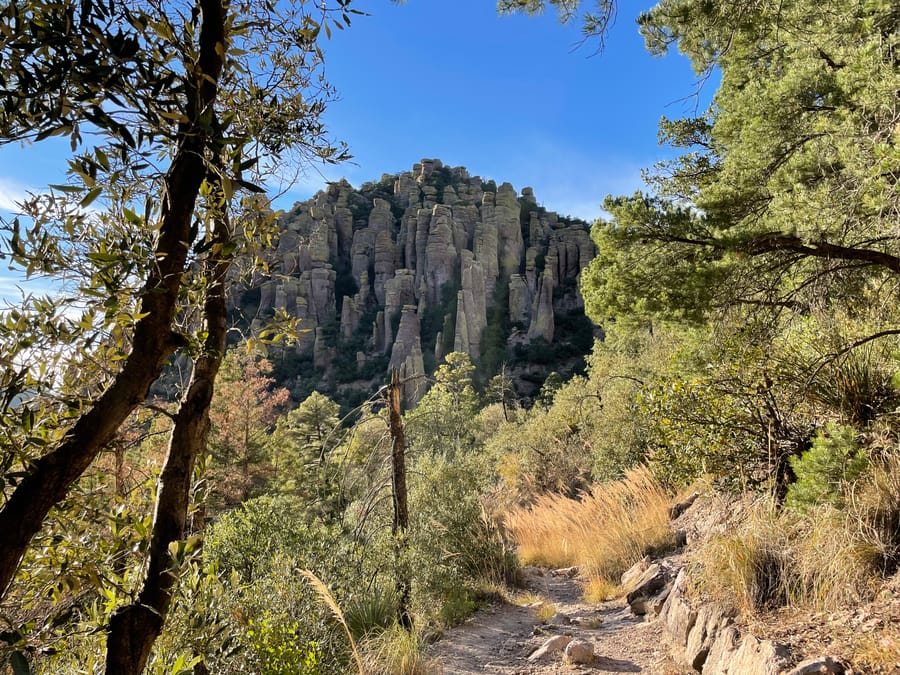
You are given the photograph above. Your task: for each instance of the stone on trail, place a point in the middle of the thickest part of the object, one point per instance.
(559, 619)
(822, 664)
(555, 644)
(570, 572)
(579, 651)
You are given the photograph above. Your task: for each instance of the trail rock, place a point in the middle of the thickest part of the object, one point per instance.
(559, 619)
(710, 621)
(651, 582)
(579, 651)
(552, 646)
(826, 665)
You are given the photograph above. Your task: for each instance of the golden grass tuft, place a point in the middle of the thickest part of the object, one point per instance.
(604, 532)
(599, 589)
(821, 559)
(395, 651)
(322, 591)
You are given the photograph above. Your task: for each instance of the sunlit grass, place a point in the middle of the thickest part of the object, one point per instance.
(603, 532)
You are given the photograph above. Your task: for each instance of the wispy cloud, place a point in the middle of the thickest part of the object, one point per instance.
(11, 191)
(566, 179)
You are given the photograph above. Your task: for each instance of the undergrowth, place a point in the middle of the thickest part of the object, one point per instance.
(822, 558)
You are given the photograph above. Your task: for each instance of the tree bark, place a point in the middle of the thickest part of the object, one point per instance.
(134, 628)
(401, 508)
(50, 477)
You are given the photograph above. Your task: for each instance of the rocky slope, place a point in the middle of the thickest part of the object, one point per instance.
(398, 273)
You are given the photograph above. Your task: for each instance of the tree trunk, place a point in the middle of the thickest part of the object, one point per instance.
(134, 628)
(51, 476)
(400, 524)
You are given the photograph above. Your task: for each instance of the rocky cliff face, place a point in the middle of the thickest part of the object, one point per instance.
(400, 272)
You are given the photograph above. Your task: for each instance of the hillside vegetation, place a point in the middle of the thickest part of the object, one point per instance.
(746, 316)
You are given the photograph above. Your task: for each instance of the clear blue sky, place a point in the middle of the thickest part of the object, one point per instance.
(509, 97)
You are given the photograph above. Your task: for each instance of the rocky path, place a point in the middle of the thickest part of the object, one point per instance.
(502, 638)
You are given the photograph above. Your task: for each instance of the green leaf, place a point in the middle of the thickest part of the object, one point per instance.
(90, 197)
(250, 186)
(19, 664)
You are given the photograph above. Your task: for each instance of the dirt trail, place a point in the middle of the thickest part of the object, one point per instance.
(500, 639)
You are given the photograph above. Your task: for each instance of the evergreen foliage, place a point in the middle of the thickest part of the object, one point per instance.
(826, 470)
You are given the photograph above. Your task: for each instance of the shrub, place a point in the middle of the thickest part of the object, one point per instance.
(825, 470)
(456, 548)
(258, 550)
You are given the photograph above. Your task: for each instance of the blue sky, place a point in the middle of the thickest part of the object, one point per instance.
(510, 97)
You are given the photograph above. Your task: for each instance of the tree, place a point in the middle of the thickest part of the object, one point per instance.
(243, 412)
(786, 192)
(780, 211)
(595, 23)
(300, 448)
(442, 422)
(501, 389)
(167, 108)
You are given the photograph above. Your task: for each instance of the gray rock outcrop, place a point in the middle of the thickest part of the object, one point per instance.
(448, 244)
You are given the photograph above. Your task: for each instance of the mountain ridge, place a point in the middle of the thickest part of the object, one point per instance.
(399, 272)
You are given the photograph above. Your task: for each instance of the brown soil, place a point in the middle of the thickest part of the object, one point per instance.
(500, 639)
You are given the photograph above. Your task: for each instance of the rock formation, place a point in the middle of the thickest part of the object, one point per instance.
(417, 263)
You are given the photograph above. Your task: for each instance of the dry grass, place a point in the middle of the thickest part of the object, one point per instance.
(823, 559)
(598, 589)
(322, 591)
(604, 532)
(544, 608)
(395, 651)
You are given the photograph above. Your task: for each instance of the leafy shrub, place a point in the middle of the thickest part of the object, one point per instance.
(258, 550)
(278, 647)
(456, 546)
(825, 470)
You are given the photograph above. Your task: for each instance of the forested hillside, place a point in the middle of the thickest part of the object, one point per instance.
(731, 329)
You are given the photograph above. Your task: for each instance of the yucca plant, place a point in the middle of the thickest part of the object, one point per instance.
(370, 613)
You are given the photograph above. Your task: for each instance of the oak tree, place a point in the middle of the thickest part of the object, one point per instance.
(170, 111)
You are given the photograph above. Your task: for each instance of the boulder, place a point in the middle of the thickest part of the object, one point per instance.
(579, 651)
(633, 574)
(552, 646)
(826, 665)
(651, 582)
(711, 620)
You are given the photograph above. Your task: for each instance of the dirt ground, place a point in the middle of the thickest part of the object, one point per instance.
(500, 639)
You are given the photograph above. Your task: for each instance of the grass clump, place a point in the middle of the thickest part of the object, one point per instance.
(395, 651)
(821, 558)
(603, 532)
(597, 589)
